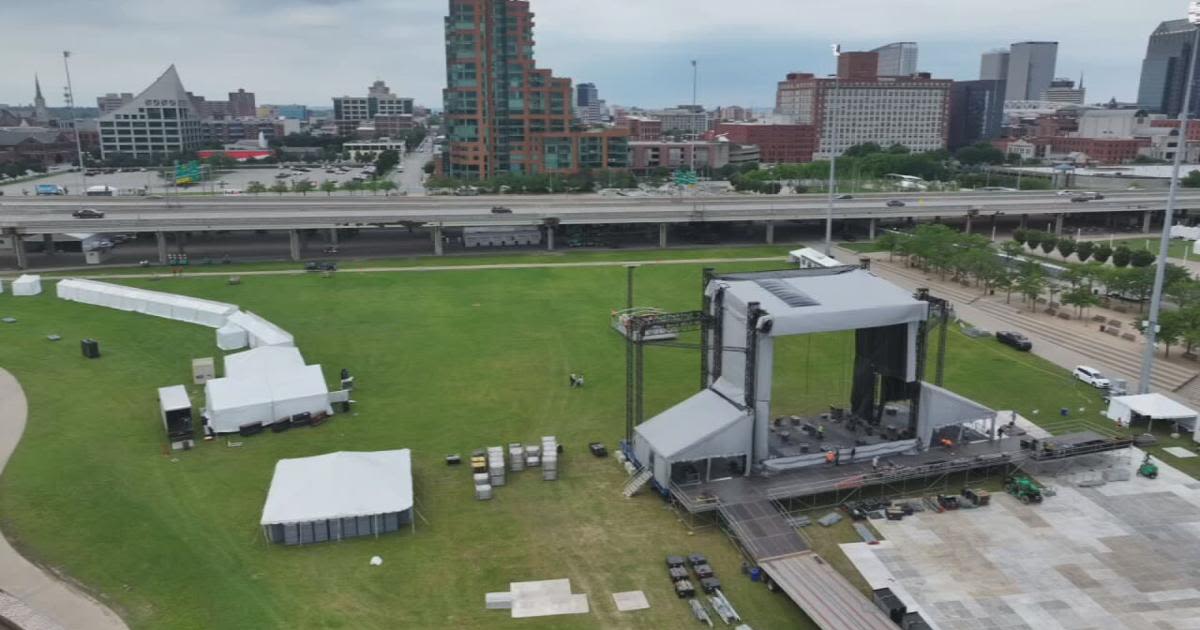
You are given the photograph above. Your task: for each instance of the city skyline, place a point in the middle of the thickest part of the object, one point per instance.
(620, 46)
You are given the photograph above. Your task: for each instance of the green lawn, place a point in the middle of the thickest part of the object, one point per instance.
(446, 362)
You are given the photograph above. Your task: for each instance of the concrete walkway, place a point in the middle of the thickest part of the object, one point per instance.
(50, 597)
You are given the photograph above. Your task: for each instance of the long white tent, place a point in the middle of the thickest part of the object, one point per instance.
(338, 495)
(166, 305)
(260, 332)
(264, 385)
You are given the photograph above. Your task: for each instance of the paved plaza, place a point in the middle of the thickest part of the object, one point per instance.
(1125, 554)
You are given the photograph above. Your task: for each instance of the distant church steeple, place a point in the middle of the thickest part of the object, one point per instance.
(40, 112)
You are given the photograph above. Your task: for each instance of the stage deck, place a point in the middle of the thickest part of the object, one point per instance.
(848, 475)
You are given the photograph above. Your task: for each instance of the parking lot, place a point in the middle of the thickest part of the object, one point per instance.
(408, 180)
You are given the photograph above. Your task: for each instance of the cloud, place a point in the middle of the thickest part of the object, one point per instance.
(636, 50)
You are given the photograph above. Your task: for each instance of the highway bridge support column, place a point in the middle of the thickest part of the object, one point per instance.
(770, 232)
(333, 237)
(871, 224)
(550, 238)
(1146, 219)
(48, 244)
(1058, 224)
(161, 237)
(294, 244)
(967, 227)
(437, 241)
(19, 249)
(662, 235)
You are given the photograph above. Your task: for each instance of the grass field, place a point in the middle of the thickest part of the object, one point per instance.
(1150, 243)
(445, 362)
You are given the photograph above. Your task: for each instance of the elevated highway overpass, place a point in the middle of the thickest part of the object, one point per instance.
(31, 216)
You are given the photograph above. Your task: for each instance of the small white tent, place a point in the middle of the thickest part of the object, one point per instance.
(259, 331)
(338, 495)
(232, 337)
(1127, 409)
(27, 285)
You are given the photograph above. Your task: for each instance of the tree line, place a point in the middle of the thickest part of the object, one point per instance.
(971, 259)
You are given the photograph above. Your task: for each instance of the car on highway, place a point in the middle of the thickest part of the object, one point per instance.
(1091, 376)
(1015, 340)
(844, 197)
(1067, 193)
(895, 203)
(88, 213)
(501, 210)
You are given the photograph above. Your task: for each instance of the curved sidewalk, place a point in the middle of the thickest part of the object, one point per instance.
(50, 597)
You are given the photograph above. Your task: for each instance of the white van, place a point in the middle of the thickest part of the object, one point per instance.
(1091, 376)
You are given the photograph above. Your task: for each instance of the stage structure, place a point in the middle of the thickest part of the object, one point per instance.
(729, 430)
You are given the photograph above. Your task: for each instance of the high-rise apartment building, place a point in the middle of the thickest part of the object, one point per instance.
(898, 59)
(586, 94)
(911, 111)
(503, 114)
(993, 65)
(241, 104)
(1064, 91)
(688, 120)
(1164, 70)
(1031, 68)
(159, 121)
(976, 112)
(589, 107)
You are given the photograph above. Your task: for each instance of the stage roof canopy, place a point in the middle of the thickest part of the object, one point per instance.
(821, 300)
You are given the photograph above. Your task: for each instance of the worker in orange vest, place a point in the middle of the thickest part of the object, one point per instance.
(829, 457)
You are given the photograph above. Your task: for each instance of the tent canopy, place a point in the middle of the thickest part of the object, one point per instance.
(339, 485)
(174, 398)
(27, 285)
(940, 407)
(1153, 406)
(691, 423)
(166, 305)
(820, 300)
(260, 331)
(264, 385)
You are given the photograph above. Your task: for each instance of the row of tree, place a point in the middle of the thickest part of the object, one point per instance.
(971, 259)
(329, 186)
(1121, 255)
(586, 181)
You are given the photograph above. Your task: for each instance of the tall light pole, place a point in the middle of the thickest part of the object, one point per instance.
(1160, 266)
(70, 97)
(695, 92)
(833, 135)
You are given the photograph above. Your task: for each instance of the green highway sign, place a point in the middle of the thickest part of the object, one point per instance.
(188, 173)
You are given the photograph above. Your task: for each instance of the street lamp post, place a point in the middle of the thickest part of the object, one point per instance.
(70, 94)
(829, 122)
(1160, 267)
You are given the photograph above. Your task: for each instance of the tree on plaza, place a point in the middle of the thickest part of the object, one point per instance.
(1031, 281)
(1012, 249)
(1019, 235)
(1102, 252)
(279, 188)
(328, 187)
(1122, 256)
(1049, 242)
(1142, 258)
(1033, 238)
(386, 161)
(1066, 247)
(386, 185)
(255, 188)
(1084, 250)
(352, 186)
(1081, 297)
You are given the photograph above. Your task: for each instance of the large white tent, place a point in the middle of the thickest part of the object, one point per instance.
(266, 385)
(1150, 407)
(259, 331)
(166, 305)
(338, 495)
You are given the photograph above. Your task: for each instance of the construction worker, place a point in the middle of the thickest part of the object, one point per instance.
(837, 457)
(875, 463)
(820, 432)
(829, 457)
(853, 450)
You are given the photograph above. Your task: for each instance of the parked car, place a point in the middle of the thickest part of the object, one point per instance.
(1092, 377)
(501, 210)
(1015, 340)
(320, 266)
(88, 213)
(895, 203)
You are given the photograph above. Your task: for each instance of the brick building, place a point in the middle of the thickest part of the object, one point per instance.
(647, 156)
(503, 114)
(642, 128)
(777, 143)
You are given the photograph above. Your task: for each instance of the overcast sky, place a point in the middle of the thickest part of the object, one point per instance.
(636, 51)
